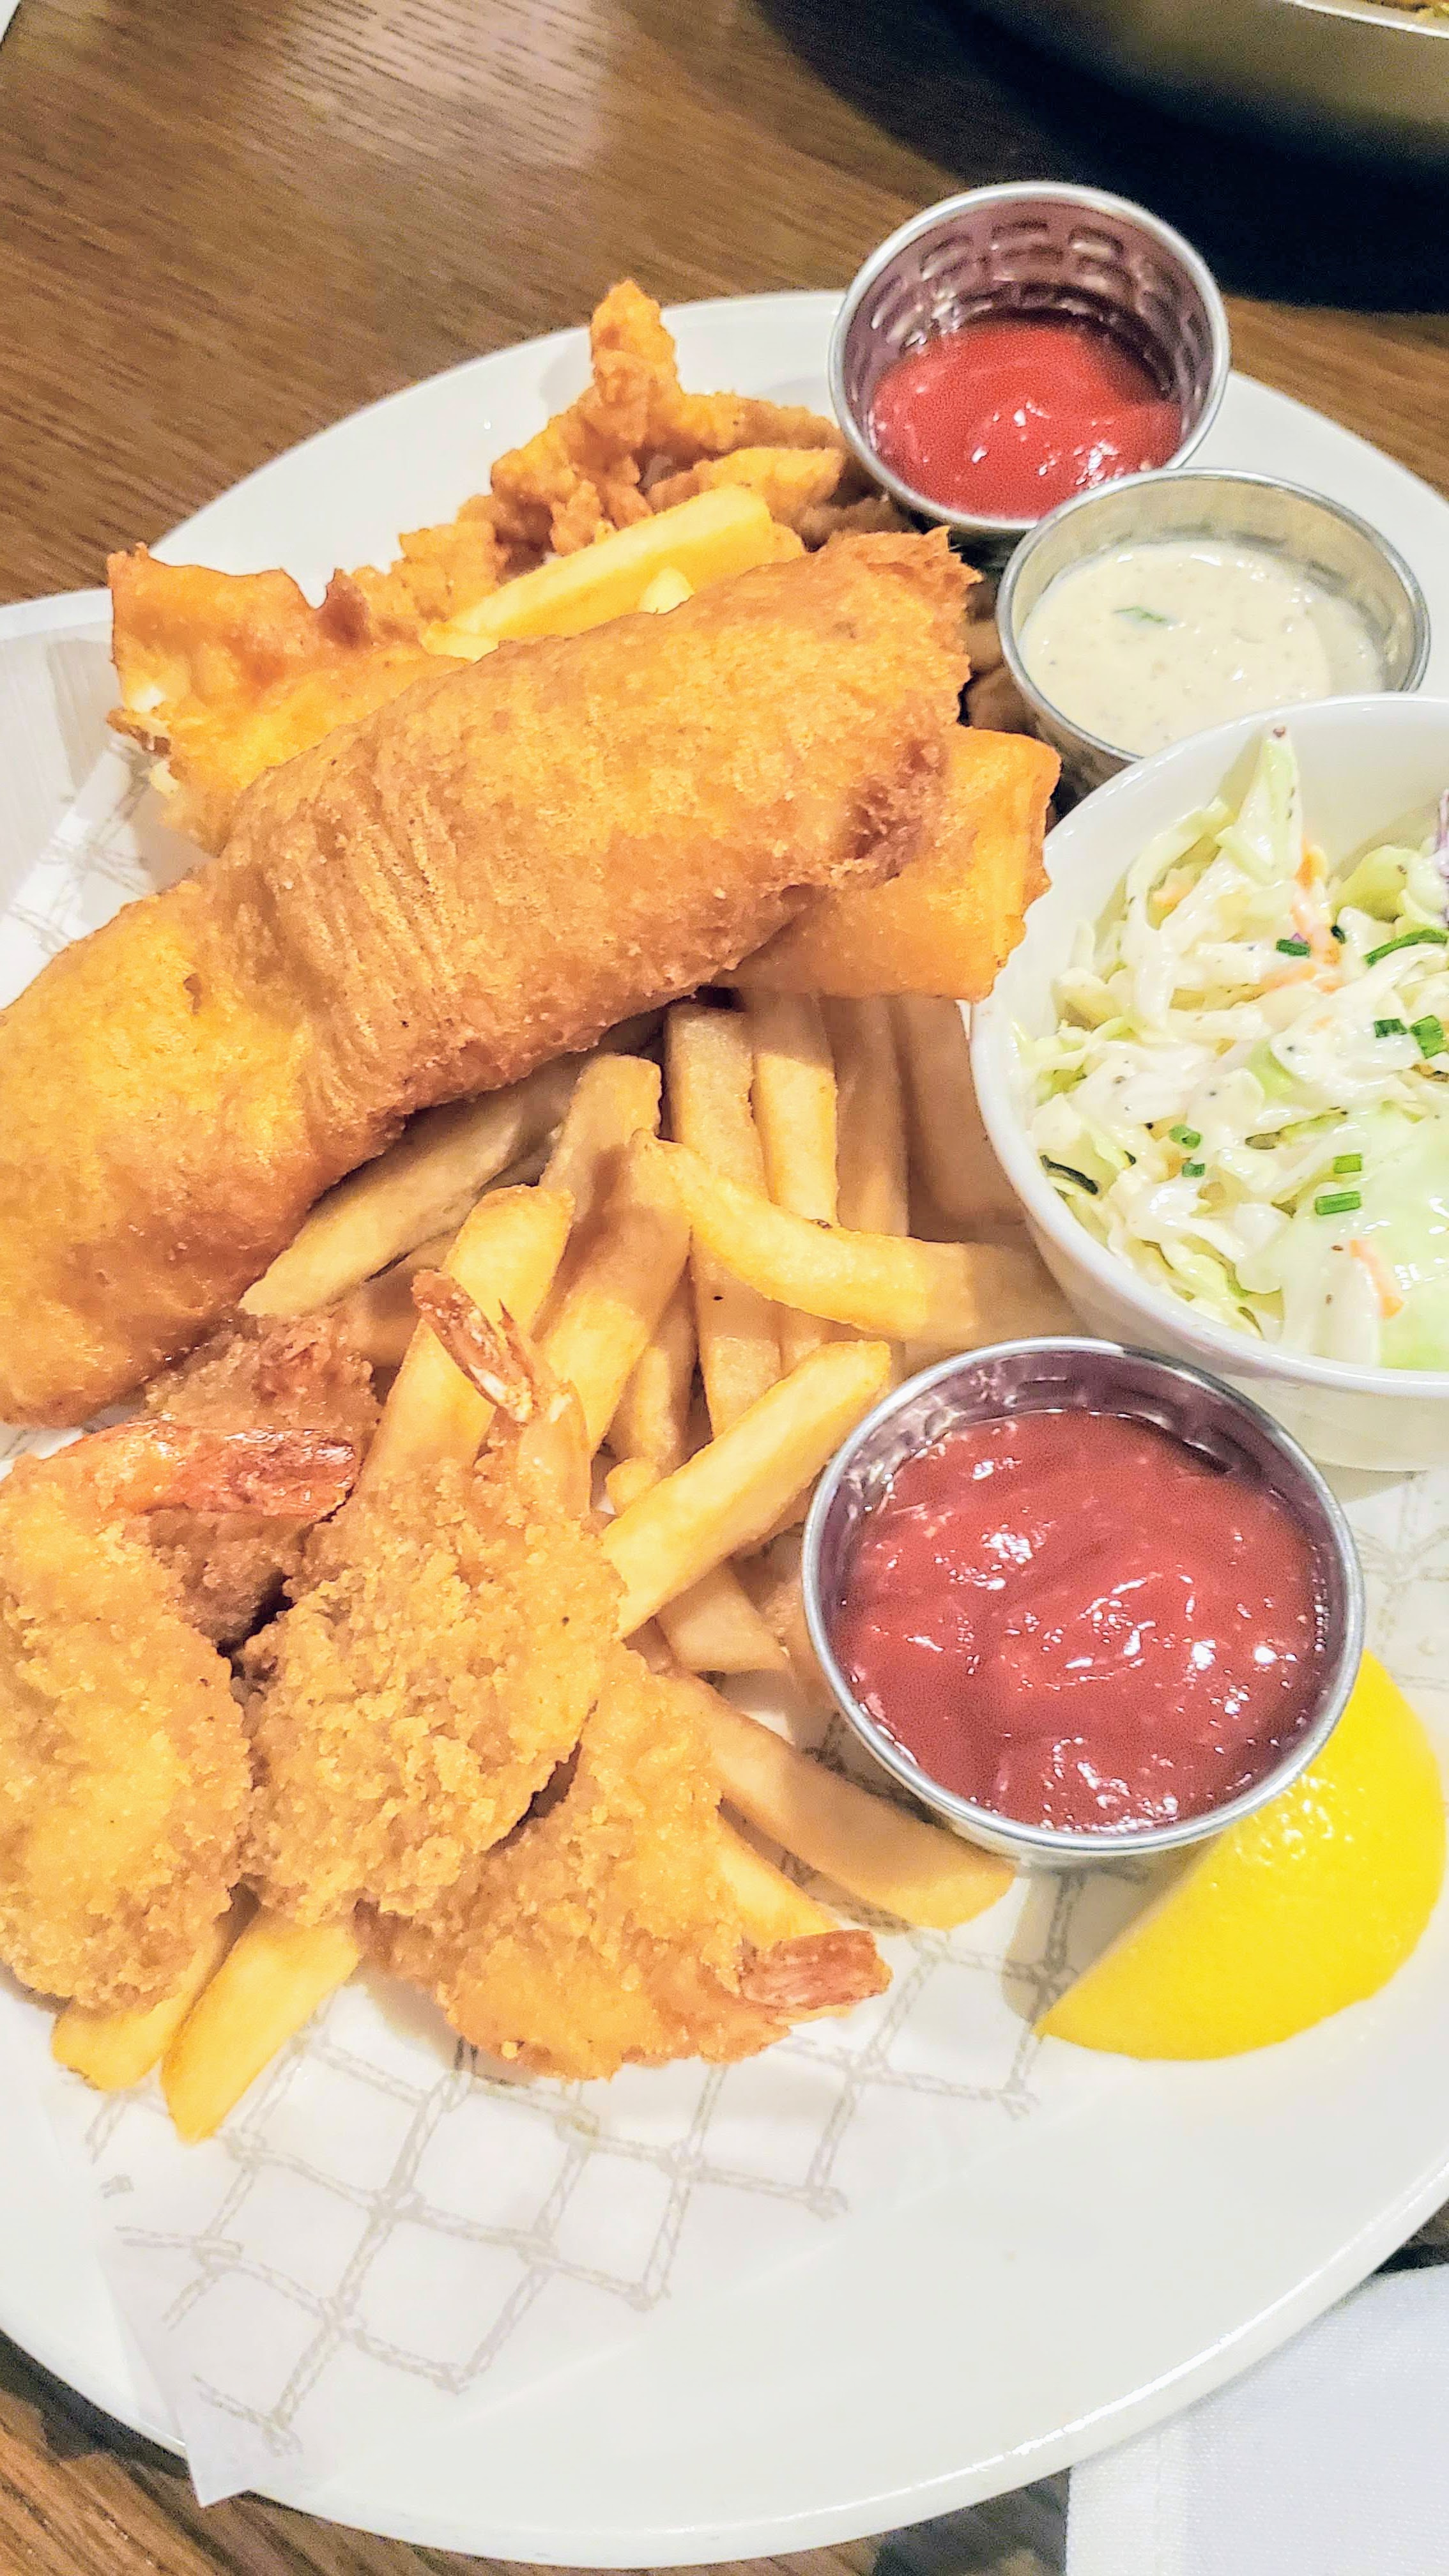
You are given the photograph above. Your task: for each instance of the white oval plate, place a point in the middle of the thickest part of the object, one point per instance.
(1126, 2258)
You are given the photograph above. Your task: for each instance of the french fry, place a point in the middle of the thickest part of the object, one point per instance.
(616, 1098)
(628, 1270)
(952, 917)
(714, 1627)
(625, 1482)
(943, 1296)
(506, 1254)
(705, 539)
(267, 1988)
(949, 1142)
(379, 1317)
(652, 1417)
(773, 1907)
(709, 1068)
(423, 1185)
(667, 590)
(795, 1112)
(773, 1583)
(798, 485)
(729, 1495)
(114, 2050)
(862, 1843)
(874, 1194)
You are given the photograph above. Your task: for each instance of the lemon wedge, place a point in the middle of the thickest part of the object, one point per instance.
(1303, 1908)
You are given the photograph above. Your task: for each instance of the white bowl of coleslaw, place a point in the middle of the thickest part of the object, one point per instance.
(1216, 1071)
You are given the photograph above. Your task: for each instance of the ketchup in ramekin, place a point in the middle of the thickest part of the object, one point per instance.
(1073, 1619)
(1014, 412)
(1080, 1598)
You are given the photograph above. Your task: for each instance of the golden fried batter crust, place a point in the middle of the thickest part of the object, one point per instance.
(483, 875)
(298, 1375)
(588, 469)
(604, 1932)
(441, 1660)
(124, 1774)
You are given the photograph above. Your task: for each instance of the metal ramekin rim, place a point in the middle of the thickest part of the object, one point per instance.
(1048, 1843)
(1047, 708)
(1100, 201)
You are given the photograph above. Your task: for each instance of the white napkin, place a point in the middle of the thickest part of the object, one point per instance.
(1331, 2458)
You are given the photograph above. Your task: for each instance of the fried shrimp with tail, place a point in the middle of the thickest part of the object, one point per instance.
(444, 1650)
(541, 1434)
(609, 1930)
(163, 1465)
(299, 1374)
(452, 1739)
(124, 1773)
(620, 1922)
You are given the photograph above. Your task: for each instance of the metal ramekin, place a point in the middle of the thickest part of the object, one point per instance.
(1080, 1376)
(1032, 247)
(1334, 545)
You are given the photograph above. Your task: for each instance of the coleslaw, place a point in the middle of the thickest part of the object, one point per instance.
(1246, 1095)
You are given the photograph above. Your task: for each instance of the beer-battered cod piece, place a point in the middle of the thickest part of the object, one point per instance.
(298, 1374)
(483, 875)
(606, 1931)
(440, 1661)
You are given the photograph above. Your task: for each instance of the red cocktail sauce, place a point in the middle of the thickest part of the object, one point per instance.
(1014, 412)
(1074, 1620)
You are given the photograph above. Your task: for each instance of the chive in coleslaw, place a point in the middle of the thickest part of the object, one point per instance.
(1246, 1095)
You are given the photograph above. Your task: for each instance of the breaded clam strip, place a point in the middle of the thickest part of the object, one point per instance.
(483, 875)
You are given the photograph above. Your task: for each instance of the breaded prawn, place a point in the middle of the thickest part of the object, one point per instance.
(440, 1661)
(302, 1374)
(124, 1773)
(607, 1931)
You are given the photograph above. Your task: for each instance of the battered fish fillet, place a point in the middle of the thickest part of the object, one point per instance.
(440, 1662)
(606, 1931)
(302, 1375)
(486, 874)
(951, 921)
(230, 674)
(124, 1772)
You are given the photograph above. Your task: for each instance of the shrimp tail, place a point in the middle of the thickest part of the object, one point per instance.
(494, 1358)
(826, 1972)
(158, 1465)
(545, 1432)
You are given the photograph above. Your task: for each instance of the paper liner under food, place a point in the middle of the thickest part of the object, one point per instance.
(388, 2227)
(389, 2230)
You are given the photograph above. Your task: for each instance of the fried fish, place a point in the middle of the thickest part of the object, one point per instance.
(483, 875)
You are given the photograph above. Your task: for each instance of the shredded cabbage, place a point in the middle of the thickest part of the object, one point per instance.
(1246, 1095)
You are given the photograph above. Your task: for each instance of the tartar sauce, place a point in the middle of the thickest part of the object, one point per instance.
(1151, 641)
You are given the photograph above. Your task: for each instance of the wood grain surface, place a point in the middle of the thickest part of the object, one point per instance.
(226, 223)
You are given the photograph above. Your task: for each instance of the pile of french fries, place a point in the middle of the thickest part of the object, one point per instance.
(704, 1225)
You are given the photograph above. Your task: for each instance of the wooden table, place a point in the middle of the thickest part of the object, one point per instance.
(226, 226)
